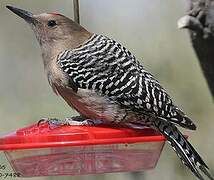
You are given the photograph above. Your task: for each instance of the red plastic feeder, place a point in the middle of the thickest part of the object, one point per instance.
(76, 150)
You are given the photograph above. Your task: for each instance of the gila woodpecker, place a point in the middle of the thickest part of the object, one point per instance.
(104, 82)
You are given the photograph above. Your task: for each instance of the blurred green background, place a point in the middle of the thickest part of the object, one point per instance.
(146, 28)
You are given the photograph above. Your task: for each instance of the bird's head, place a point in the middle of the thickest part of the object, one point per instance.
(53, 29)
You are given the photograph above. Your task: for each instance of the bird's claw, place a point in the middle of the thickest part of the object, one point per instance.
(54, 122)
(82, 122)
(42, 120)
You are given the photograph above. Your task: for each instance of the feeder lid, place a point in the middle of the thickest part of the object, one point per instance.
(43, 136)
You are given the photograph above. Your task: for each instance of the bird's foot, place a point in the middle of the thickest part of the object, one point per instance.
(77, 120)
(52, 122)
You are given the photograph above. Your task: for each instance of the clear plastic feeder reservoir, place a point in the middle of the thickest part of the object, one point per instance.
(77, 150)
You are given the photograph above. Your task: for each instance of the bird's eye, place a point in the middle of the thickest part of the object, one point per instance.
(52, 23)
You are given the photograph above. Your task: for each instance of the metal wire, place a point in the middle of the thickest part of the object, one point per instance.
(76, 11)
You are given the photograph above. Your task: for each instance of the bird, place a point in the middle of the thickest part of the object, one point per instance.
(105, 83)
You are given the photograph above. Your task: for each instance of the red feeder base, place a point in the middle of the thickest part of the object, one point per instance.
(76, 150)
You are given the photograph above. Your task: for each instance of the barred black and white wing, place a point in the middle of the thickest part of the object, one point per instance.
(103, 66)
(107, 67)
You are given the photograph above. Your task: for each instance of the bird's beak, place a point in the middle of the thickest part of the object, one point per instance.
(27, 16)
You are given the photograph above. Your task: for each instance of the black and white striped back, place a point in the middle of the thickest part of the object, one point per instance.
(114, 84)
(103, 65)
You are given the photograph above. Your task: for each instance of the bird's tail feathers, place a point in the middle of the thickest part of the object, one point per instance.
(182, 119)
(183, 148)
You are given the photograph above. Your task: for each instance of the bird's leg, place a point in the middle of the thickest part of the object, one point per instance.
(76, 120)
(82, 120)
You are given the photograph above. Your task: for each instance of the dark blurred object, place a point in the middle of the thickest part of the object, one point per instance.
(200, 22)
(137, 176)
